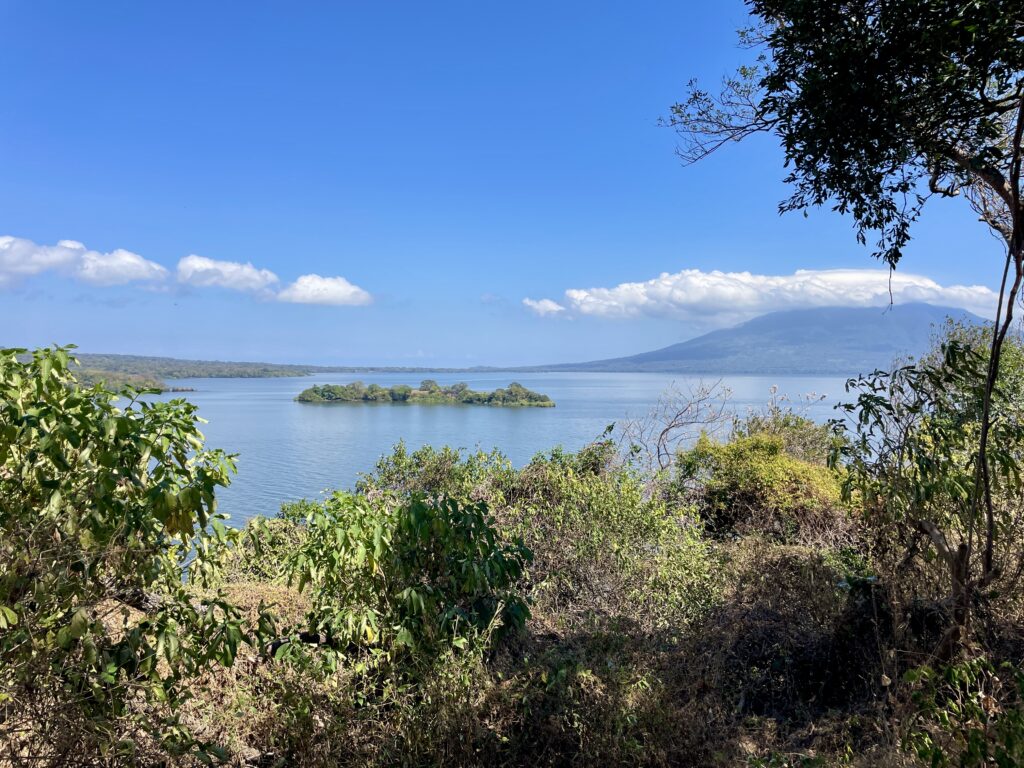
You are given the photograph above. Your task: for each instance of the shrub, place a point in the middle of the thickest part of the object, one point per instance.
(963, 715)
(751, 485)
(790, 638)
(802, 437)
(436, 473)
(416, 576)
(913, 463)
(103, 509)
(267, 543)
(603, 547)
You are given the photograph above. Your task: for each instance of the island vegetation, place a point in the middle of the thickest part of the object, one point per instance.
(429, 392)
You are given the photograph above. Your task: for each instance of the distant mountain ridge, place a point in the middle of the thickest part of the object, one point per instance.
(827, 341)
(177, 368)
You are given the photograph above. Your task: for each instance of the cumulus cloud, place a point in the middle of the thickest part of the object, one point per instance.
(333, 291)
(21, 258)
(203, 272)
(543, 307)
(725, 297)
(117, 268)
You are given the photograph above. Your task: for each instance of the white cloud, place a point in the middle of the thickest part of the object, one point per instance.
(21, 258)
(117, 267)
(334, 291)
(543, 307)
(204, 272)
(727, 297)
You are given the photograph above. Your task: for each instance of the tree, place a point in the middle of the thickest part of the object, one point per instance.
(458, 389)
(881, 105)
(400, 393)
(905, 464)
(107, 512)
(376, 393)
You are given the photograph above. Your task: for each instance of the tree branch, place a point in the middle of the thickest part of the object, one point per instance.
(991, 176)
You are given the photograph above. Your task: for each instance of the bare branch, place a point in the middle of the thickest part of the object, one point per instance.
(679, 417)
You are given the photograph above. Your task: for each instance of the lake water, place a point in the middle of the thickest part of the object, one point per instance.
(288, 450)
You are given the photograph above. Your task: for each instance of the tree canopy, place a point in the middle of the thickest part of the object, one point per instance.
(878, 106)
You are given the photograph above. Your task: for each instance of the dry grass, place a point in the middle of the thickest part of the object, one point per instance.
(760, 677)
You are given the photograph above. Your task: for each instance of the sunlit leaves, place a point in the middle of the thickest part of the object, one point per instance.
(877, 107)
(104, 499)
(391, 576)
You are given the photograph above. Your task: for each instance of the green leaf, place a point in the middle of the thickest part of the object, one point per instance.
(404, 638)
(79, 624)
(8, 618)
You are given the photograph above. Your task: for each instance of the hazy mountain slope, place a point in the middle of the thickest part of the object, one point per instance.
(806, 341)
(827, 341)
(175, 368)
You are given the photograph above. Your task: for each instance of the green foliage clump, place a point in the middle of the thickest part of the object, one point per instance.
(912, 464)
(602, 546)
(266, 544)
(440, 472)
(415, 576)
(752, 484)
(960, 711)
(802, 438)
(103, 510)
(428, 393)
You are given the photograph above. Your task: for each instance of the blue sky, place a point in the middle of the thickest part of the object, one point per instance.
(385, 183)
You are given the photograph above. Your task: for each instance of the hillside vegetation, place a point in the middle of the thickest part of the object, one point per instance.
(171, 368)
(429, 392)
(174, 368)
(116, 380)
(766, 598)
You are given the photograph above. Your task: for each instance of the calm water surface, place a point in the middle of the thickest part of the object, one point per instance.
(288, 450)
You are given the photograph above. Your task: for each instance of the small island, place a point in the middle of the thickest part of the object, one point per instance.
(429, 392)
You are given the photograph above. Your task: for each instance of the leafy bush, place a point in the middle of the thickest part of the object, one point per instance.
(440, 472)
(802, 437)
(415, 576)
(752, 485)
(912, 462)
(103, 509)
(963, 713)
(792, 636)
(603, 547)
(266, 544)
